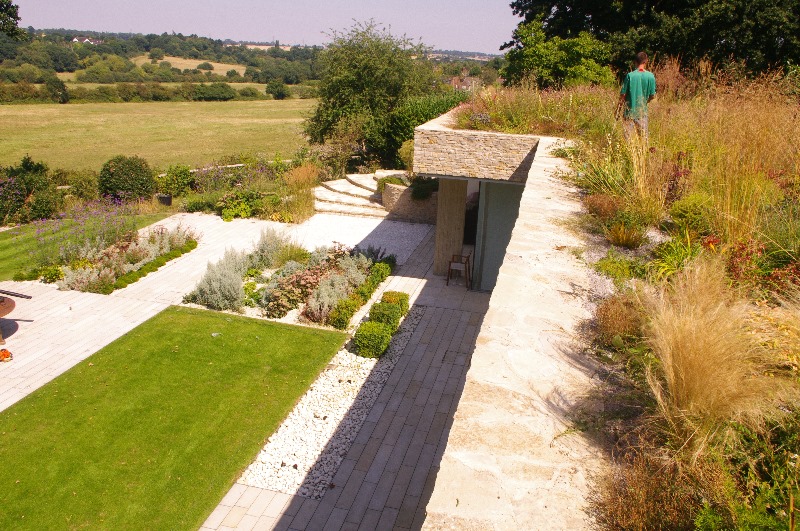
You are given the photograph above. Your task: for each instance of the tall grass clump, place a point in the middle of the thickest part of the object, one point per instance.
(710, 371)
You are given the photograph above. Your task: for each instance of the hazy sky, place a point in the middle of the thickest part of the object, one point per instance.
(467, 25)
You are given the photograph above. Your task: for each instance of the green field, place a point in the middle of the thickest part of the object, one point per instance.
(152, 431)
(195, 133)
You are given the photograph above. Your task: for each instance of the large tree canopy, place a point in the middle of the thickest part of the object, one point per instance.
(366, 72)
(761, 33)
(9, 17)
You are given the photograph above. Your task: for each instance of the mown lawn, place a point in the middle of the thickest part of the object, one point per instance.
(17, 244)
(84, 136)
(151, 431)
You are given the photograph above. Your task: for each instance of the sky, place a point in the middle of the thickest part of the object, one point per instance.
(466, 25)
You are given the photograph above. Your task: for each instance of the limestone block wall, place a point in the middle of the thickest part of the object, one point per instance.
(401, 206)
(441, 150)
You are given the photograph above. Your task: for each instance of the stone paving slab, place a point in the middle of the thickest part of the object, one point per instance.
(389, 471)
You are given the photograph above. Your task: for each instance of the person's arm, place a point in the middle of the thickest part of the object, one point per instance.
(620, 105)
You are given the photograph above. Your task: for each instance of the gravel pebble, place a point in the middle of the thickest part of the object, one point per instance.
(304, 453)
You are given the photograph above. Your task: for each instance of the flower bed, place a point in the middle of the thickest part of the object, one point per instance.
(124, 262)
(326, 286)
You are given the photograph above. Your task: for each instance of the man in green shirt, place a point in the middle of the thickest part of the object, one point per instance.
(638, 89)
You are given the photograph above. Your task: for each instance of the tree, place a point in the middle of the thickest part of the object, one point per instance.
(556, 61)
(760, 33)
(278, 89)
(366, 72)
(56, 89)
(9, 18)
(156, 54)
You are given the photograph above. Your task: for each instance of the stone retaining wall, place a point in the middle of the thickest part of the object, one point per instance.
(441, 150)
(402, 207)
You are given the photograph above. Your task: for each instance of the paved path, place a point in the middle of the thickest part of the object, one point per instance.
(55, 330)
(389, 472)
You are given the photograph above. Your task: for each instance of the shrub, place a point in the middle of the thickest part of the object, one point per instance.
(343, 312)
(397, 297)
(267, 250)
(126, 178)
(325, 297)
(205, 202)
(604, 206)
(391, 179)
(693, 212)
(204, 66)
(291, 252)
(423, 187)
(386, 313)
(620, 268)
(380, 271)
(83, 184)
(27, 193)
(618, 318)
(627, 236)
(51, 274)
(177, 181)
(248, 93)
(214, 92)
(240, 204)
(672, 255)
(406, 155)
(372, 339)
(711, 370)
(278, 89)
(221, 286)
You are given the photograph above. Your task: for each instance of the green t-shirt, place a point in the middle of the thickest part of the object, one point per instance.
(638, 87)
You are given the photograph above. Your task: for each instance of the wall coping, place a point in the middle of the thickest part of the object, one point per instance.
(442, 151)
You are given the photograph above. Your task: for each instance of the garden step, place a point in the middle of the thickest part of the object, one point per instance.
(364, 180)
(329, 196)
(344, 186)
(348, 210)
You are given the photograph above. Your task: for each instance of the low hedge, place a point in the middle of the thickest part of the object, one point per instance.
(397, 297)
(372, 339)
(344, 310)
(153, 265)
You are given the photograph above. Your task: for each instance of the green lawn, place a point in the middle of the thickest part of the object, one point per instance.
(84, 136)
(151, 432)
(16, 245)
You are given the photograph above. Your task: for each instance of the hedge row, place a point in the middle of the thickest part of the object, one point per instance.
(345, 309)
(153, 265)
(373, 336)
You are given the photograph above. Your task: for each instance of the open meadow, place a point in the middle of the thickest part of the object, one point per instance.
(194, 133)
(183, 63)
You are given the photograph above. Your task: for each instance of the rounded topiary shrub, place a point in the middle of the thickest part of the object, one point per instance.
(126, 178)
(397, 297)
(386, 313)
(372, 339)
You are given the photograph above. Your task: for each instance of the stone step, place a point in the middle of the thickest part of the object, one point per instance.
(364, 180)
(344, 186)
(329, 196)
(348, 210)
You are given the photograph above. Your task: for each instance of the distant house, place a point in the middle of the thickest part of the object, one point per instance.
(465, 82)
(87, 40)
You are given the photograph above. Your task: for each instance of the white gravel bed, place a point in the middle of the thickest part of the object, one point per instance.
(305, 452)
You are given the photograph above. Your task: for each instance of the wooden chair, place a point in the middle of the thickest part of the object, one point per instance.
(460, 263)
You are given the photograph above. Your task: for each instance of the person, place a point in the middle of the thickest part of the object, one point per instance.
(638, 89)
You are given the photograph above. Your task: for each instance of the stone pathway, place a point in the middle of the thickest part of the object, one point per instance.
(55, 330)
(389, 472)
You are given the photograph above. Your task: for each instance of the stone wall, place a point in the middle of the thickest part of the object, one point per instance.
(441, 150)
(402, 207)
